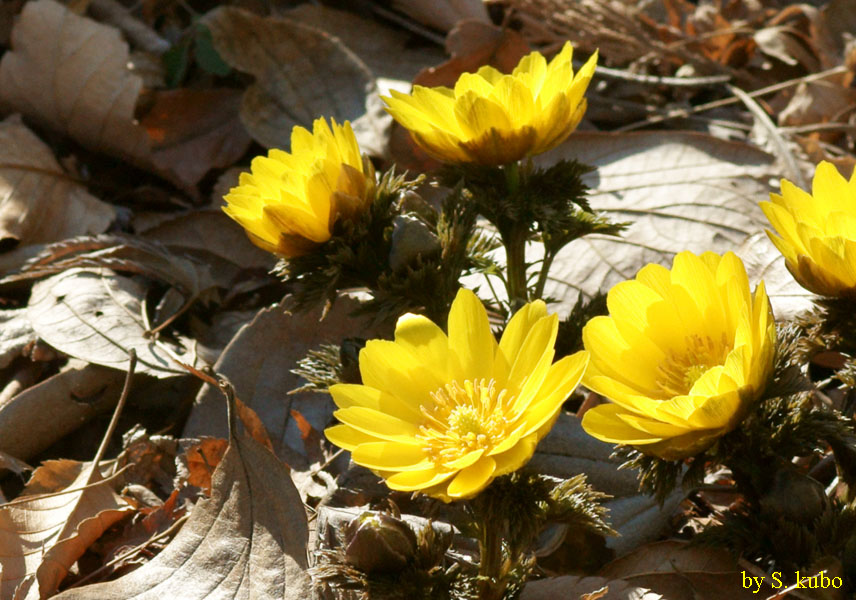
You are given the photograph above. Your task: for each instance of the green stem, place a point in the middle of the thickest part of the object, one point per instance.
(491, 581)
(515, 257)
(538, 293)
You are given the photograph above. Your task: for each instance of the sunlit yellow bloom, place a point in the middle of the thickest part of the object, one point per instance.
(817, 232)
(289, 202)
(446, 414)
(682, 355)
(495, 119)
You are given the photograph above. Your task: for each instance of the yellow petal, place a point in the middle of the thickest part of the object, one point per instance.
(392, 368)
(470, 338)
(347, 437)
(477, 115)
(517, 456)
(346, 395)
(378, 424)
(473, 479)
(562, 378)
(409, 481)
(391, 456)
(602, 422)
(426, 341)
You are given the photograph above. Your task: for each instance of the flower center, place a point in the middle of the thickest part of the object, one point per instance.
(464, 417)
(679, 371)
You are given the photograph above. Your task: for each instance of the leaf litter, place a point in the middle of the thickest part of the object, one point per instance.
(112, 244)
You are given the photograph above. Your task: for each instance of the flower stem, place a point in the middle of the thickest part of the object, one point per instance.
(492, 583)
(515, 256)
(538, 293)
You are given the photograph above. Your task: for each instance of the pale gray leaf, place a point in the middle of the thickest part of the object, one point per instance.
(248, 540)
(679, 190)
(15, 333)
(96, 315)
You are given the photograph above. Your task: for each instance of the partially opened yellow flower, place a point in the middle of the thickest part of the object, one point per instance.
(290, 201)
(817, 232)
(495, 119)
(682, 355)
(446, 414)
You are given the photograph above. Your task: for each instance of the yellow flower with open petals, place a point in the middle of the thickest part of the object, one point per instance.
(495, 119)
(817, 231)
(290, 201)
(446, 414)
(682, 355)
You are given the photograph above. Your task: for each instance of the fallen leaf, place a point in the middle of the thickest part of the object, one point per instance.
(15, 333)
(258, 363)
(443, 14)
(93, 98)
(301, 73)
(72, 397)
(678, 571)
(679, 190)
(69, 73)
(571, 586)
(39, 202)
(201, 459)
(193, 131)
(213, 232)
(96, 316)
(248, 540)
(400, 60)
(42, 536)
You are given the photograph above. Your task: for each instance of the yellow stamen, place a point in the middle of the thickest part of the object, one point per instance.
(464, 417)
(681, 369)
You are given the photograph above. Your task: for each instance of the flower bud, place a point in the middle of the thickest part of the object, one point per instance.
(378, 543)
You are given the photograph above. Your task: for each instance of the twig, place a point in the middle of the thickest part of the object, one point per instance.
(685, 112)
(114, 421)
(34, 497)
(622, 74)
(775, 136)
(409, 25)
(167, 532)
(142, 36)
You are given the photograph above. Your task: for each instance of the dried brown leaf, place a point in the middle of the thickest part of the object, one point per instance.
(679, 571)
(38, 201)
(193, 131)
(213, 232)
(97, 316)
(71, 397)
(443, 15)
(301, 73)
(69, 73)
(42, 536)
(585, 588)
(258, 363)
(247, 541)
(399, 59)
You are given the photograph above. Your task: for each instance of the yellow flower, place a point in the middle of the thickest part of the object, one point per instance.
(289, 202)
(682, 355)
(495, 119)
(445, 415)
(818, 231)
